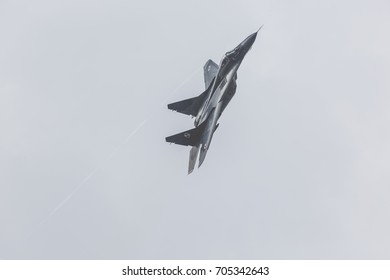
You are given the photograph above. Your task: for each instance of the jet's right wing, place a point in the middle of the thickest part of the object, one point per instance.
(190, 106)
(210, 71)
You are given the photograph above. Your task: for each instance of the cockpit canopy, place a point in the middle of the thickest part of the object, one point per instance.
(225, 61)
(230, 56)
(231, 53)
(234, 53)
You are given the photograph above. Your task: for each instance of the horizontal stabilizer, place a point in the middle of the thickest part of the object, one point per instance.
(187, 138)
(190, 106)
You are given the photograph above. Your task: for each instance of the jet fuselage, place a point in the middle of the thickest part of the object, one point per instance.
(221, 86)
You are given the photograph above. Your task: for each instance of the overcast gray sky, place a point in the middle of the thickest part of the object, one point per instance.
(299, 167)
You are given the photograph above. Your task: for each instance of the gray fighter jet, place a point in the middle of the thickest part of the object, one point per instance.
(207, 108)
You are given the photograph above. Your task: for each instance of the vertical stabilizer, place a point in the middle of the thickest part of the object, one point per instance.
(193, 156)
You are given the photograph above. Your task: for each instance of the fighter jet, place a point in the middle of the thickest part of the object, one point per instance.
(220, 82)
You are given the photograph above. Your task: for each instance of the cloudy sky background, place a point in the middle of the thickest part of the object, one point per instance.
(298, 169)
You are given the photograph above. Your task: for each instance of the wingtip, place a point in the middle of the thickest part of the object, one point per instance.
(259, 28)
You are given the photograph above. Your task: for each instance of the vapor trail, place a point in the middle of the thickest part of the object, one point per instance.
(176, 90)
(93, 171)
(115, 150)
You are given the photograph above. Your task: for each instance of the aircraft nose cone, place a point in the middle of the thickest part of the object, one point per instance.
(242, 49)
(248, 42)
